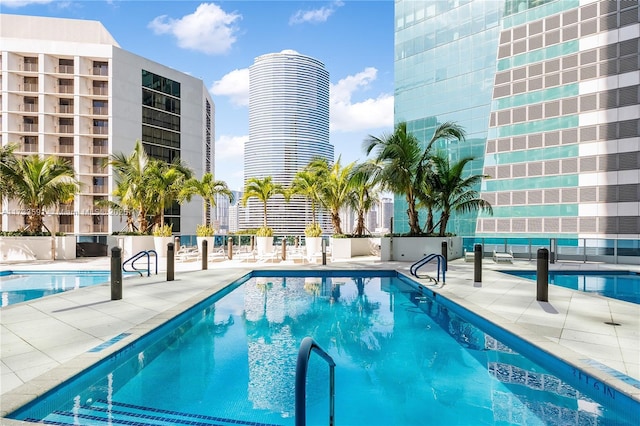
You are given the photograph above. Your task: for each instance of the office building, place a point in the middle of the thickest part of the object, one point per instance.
(69, 90)
(288, 127)
(548, 93)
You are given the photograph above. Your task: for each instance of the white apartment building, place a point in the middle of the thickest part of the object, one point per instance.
(288, 127)
(69, 90)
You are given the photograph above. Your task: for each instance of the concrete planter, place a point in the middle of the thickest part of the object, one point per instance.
(160, 245)
(264, 245)
(210, 242)
(133, 244)
(410, 249)
(314, 245)
(37, 248)
(346, 248)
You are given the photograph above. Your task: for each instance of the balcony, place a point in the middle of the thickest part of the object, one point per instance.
(29, 127)
(101, 91)
(99, 189)
(100, 71)
(100, 110)
(100, 130)
(29, 147)
(98, 149)
(98, 170)
(29, 107)
(64, 128)
(100, 228)
(66, 228)
(64, 69)
(64, 109)
(28, 87)
(65, 149)
(30, 67)
(65, 89)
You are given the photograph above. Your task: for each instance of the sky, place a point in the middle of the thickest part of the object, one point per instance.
(218, 41)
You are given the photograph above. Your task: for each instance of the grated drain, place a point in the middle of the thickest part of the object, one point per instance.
(612, 323)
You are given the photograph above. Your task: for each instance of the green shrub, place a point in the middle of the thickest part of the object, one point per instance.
(265, 231)
(313, 230)
(162, 230)
(205, 231)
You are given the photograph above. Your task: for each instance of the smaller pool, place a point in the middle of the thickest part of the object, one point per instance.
(21, 286)
(621, 285)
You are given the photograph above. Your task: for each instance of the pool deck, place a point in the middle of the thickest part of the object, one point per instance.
(46, 341)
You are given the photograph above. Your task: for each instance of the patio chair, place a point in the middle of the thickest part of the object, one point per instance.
(503, 257)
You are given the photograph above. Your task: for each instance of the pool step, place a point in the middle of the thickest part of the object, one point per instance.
(99, 413)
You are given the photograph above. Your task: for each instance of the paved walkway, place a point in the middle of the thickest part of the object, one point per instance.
(46, 341)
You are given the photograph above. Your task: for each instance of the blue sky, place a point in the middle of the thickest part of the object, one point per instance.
(218, 41)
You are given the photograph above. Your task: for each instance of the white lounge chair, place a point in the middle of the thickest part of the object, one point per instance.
(469, 256)
(503, 257)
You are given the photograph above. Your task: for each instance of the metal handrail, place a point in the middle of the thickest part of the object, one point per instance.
(137, 256)
(440, 258)
(308, 345)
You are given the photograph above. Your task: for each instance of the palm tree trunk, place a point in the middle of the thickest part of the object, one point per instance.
(444, 218)
(335, 221)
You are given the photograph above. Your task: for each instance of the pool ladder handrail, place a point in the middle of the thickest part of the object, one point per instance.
(306, 347)
(442, 265)
(143, 253)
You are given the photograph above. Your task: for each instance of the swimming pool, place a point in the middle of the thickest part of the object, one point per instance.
(20, 285)
(621, 285)
(404, 356)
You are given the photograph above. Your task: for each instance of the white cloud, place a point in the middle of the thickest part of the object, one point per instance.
(228, 146)
(372, 113)
(234, 85)
(314, 15)
(209, 29)
(21, 3)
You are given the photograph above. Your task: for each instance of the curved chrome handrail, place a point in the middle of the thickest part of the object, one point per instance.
(306, 347)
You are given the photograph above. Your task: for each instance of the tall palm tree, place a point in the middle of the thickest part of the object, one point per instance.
(427, 197)
(208, 188)
(262, 189)
(39, 183)
(335, 187)
(129, 171)
(307, 183)
(363, 194)
(456, 193)
(403, 163)
(163, 184)
(398, 156)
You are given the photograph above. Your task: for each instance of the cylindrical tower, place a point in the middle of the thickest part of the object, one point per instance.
(288, 127)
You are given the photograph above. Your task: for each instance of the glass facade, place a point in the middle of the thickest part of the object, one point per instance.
(548, 93)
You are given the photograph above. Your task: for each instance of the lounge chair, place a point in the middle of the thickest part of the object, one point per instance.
(186, 254)
(503, 257)
(469, 256)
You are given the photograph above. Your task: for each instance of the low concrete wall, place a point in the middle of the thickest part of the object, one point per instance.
(410, 249)
(346, 248)
(37, 248)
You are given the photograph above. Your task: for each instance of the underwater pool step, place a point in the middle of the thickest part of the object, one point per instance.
(99, 413)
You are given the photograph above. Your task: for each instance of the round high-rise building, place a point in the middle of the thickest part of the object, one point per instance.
(288, 127)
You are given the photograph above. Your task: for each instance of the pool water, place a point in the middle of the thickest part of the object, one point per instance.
(621, 285)
(21, 286)
(402, 358)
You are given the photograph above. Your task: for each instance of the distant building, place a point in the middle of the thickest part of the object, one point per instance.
(288, 127)
(69, 90)
(385, 215)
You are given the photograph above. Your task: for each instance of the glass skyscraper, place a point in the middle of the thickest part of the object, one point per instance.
(547, 91)
(288, 127)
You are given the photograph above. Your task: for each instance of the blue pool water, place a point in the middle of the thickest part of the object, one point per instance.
(20, 286)
(621, 285)
(404, 357)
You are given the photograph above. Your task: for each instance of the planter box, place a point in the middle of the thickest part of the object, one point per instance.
(160, 245)
(411, 249)
(313, 245)
(346, 248)
(210, 244)
(132, 244)
(264, 245)
(37, 248)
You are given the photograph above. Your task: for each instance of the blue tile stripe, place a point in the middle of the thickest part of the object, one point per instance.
(615, 373)
(109, 342)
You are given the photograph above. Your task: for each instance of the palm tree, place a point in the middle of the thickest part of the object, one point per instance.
(262, 189)
(208, 188)
(37, 184)
(129, 171)
(335, 189)
(398, 157)
(7, 162)
(163, 184)
(402, 161)
(455, 193)
(307, 182)
(363, 194)
(427, 198)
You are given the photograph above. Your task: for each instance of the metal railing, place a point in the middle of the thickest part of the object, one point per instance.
(140, 255)
(306, 347)
(442, 265)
